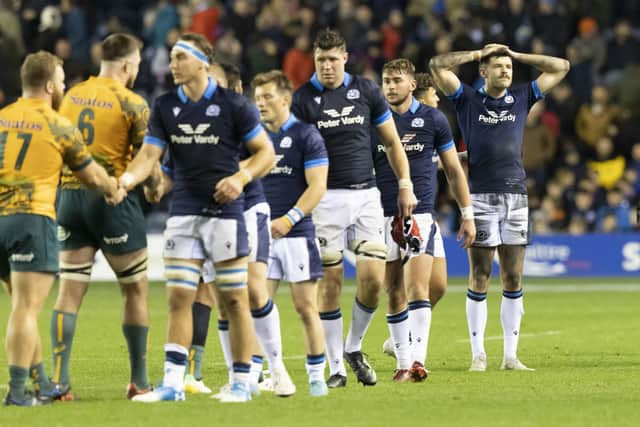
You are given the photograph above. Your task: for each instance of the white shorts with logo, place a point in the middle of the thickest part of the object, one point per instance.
(206, 238)
(295, 259)
(501, 219)
(257, 219)
(345, 215)
(427, 227)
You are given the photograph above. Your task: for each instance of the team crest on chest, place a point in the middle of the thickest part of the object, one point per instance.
(508, 99)
(286, 142)
(213, 110)
(418, 122)
(353, 94)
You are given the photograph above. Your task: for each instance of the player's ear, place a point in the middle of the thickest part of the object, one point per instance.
(49, 87)
(345, 57)
(413, 85)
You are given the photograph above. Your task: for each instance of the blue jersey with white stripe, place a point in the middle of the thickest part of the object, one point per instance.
(299, 146)
(204, 140)
(492, 130)
(424, 132)
(344, 117)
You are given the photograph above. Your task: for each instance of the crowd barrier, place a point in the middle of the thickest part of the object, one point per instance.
(547, 256)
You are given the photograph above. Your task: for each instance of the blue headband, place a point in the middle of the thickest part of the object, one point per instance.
(191, 50)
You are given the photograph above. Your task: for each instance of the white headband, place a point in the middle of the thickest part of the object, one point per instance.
(187, 48)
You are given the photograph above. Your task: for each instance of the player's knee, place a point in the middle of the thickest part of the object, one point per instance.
(330, 258)
(511, 280)
(77, 272)
(366, 250)
(133, 272)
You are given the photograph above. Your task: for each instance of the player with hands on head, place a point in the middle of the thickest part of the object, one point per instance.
(492, 120)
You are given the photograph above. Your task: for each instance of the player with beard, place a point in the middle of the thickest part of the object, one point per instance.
(113, 121)
(425, 134)
(35, 144)
(492, 120)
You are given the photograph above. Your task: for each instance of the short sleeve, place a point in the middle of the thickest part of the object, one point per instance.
(137, 111)
(380, 112)
(443, 140)
(458, 97)
(247, 122)
(75, 153)
(167, 164)
(535, 94)
(315, 152)
(156, 132)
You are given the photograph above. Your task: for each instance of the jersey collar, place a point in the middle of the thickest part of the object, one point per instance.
(484, 92)
(290, 122)
(415, 104)
(208, 92)
(316, 83)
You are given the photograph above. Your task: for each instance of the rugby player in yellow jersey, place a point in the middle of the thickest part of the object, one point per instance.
(35, 143)
(113, 121)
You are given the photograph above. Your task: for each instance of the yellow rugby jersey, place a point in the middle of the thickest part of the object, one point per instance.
(35, 143)
(112, 120)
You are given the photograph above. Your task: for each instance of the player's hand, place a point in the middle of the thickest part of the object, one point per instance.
(467, 233)
(491, 48)
(153, 195)
(228, 189)
(407, 202)
(116, 196)
(280, 227)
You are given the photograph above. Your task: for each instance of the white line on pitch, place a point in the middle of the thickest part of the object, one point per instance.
(526, 335)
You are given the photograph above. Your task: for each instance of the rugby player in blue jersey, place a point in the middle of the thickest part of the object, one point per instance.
(293, 189)
(345, 108)
(204, 128)
(425, 134)
(492, 120)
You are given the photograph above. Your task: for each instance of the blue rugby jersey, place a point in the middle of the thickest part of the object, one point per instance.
(204, 140)
(492, 130)
(424, 132)
(299, 146)
(344, 117)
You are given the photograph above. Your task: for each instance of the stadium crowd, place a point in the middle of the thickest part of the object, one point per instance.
(581, 147)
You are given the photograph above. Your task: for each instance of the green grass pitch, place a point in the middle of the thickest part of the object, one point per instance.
(582, 337)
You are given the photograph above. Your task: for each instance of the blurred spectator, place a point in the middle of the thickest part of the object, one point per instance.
(205, 19)
(589, 45)
(166, 18)
(552, 25)
(584, 208)
(76, 27)
(615, 215)
(228, 48)
(241, 19)
(563, 104)
(598, 118)
(623, 49)
(392, 35)
(263, 56)
(10, 25)
(10, 70)
(297, 64)
(538, 145)
(608, 167)
(50, 29)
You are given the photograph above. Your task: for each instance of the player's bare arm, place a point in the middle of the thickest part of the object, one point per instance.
(458, 182)
(400, 164)
(262, 160)
(157, 185)
(553, 69)
(141, 166)
(441, 65)
(316, 178)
